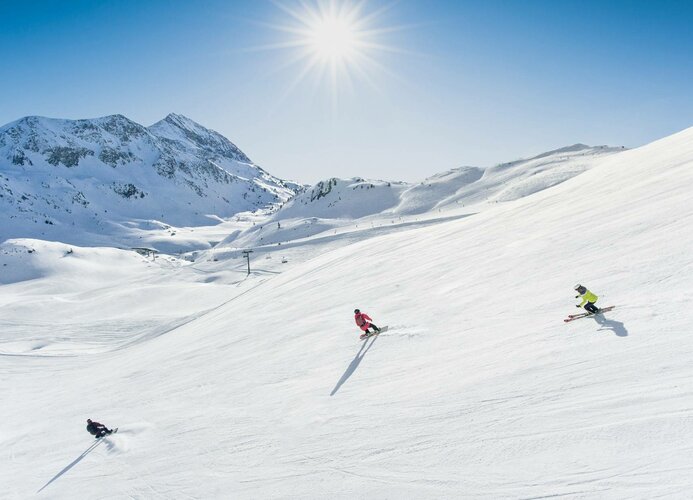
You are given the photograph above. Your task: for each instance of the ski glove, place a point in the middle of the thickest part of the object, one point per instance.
(577, 306)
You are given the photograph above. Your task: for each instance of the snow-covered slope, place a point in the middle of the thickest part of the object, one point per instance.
(88, 181)
(339, 203)
(479, 390)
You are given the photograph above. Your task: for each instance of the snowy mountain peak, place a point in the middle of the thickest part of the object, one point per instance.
(182, 121)
(182, 129)
(57, 173)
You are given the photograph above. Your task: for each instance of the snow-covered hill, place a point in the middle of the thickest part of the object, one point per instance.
(354, 198)
(94, 181)
(340, 203)
(478, 390)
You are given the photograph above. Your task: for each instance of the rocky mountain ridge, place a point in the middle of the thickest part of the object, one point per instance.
(91, 173)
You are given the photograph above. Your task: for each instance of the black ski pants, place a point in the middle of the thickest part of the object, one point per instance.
(590, 307)
(103, 432)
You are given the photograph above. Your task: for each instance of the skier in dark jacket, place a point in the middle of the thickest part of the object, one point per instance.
(97, 430)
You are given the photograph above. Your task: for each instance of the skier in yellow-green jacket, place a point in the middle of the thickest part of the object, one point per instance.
(588, 299)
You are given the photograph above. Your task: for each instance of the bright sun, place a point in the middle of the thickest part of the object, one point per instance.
(334, 40)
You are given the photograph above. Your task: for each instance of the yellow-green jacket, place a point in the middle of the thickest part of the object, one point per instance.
(588, 297)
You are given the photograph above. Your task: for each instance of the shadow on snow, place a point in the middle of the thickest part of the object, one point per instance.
(74, 462)
(607, 324)
(354, 364)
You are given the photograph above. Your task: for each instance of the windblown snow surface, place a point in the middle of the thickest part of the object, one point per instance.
(232, 387)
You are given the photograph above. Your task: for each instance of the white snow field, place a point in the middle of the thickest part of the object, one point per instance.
(259, 388)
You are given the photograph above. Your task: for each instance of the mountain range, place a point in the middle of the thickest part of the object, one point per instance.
(112, 182)
(58, 176)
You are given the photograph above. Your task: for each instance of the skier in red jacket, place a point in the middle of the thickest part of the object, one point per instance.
(363, 321)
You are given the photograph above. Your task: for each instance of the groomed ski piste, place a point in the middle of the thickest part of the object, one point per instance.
(231, 387)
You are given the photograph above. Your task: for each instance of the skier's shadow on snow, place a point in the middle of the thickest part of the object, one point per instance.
(74, 462)
(354, 364)
(607, 324)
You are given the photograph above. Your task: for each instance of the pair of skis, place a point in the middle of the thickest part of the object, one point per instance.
(572, 317)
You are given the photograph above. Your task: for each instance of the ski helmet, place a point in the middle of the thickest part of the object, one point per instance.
(356, 311)
(577, 287)
(89, 420)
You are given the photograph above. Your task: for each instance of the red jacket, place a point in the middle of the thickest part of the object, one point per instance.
(362, 321)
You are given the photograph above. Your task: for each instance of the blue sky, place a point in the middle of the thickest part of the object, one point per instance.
(462, 82)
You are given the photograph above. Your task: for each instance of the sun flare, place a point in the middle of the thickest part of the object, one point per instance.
(337, 41)
(333, 38)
